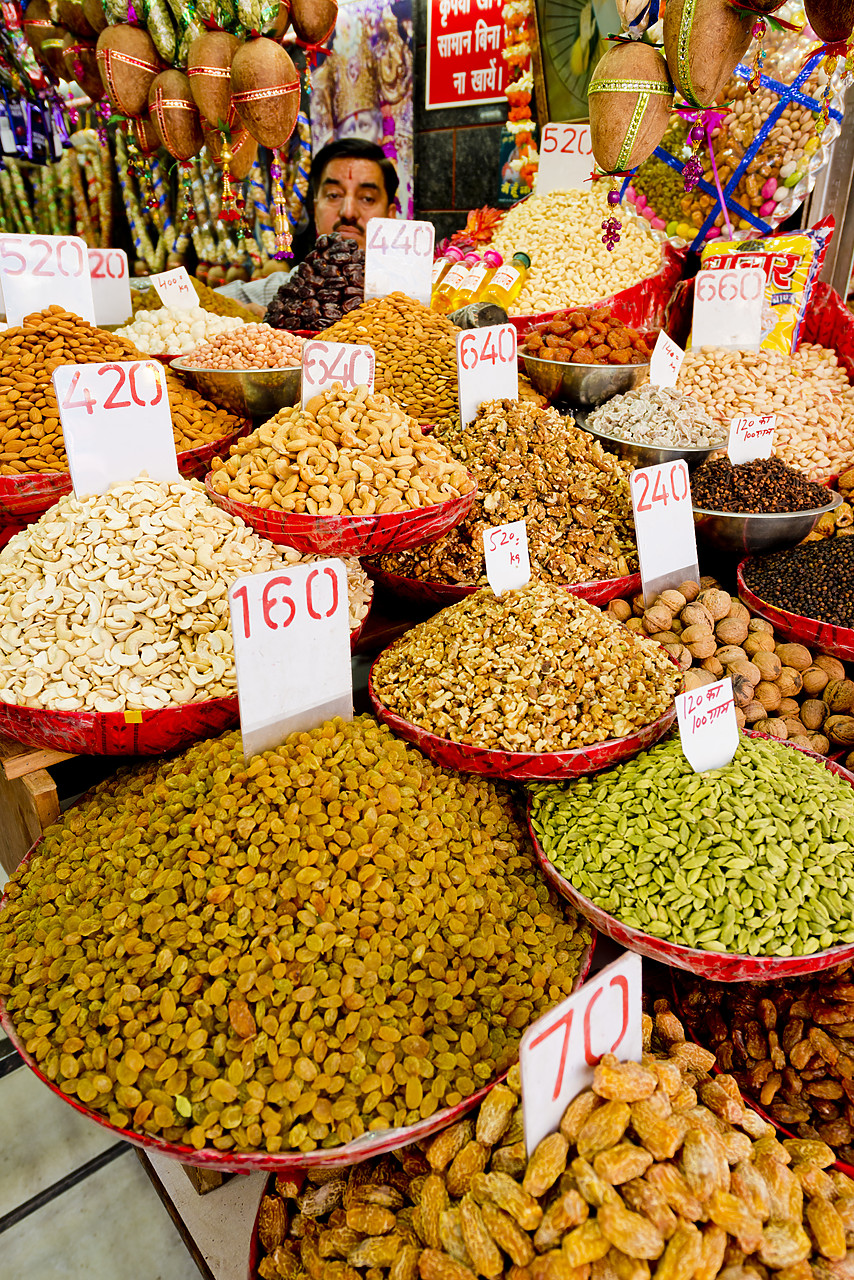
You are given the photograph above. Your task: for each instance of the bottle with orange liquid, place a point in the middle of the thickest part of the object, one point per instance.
(477, 279)
(507, 282)
(448, 286)
(442, 265)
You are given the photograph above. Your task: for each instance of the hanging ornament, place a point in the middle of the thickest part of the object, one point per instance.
(228, 209)
(281, 226)
(189, 209)
(702, 123)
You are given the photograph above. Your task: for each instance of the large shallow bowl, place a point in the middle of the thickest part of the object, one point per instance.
(584, 384)
(755, 534)
(720, 966)
(350, 535)
(422, 591)
(521, 766)
(257, 392)
(648, 455)
(826, 637)
(370, 1144)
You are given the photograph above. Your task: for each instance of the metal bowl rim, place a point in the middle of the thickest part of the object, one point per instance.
(183, 367)
(638, 444)
(772, 515)
(569, 364)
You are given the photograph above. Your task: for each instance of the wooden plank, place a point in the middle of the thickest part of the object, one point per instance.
(204, 1180)
(30, 759)
(25, 805)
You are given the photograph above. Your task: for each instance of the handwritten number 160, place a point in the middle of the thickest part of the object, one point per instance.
(270, 602)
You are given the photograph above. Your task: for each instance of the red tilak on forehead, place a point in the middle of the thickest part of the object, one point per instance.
(350, 173)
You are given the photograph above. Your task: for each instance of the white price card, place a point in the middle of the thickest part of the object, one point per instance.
(291, 631)
(707, 725)
(116, 423)
(665, 361)
(45, 271)
(566, 158)
(325, 363)
(664, 527)
(505, 549)
(175, 288)
(751, 438)
(728, 308)
(108, 269)
(560, 1050)
(487, 368)
(399, 256)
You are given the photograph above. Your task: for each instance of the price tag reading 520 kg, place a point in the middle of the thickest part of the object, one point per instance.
(291, 636)
(325, 363)
(664, 527)
(486, 367)
(107, 447)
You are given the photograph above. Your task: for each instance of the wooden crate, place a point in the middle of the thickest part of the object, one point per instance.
(28, 798)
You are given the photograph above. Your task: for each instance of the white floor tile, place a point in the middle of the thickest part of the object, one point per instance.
(110, 1227)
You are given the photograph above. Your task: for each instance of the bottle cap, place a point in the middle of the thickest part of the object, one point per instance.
(454, 253)
(524, 257)
(493, 257)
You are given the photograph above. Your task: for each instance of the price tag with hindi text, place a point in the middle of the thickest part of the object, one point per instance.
(707, 725)
(751, 438)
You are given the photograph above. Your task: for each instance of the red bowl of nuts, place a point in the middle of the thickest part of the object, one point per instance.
(827, 637)
(422, 591)
(347, 534)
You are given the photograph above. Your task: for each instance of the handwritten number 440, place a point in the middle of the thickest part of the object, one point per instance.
(270, 601)
(566, 1023)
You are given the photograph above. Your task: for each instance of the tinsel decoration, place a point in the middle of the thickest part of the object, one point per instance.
(281, 226)
(138, 168)
(187, 190)
(229, 209)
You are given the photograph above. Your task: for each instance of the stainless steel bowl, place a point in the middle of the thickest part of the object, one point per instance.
(648, 455)
(751, 534)
(584, 384)
(256, 392)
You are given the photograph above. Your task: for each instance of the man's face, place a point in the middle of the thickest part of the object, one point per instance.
(351, 193)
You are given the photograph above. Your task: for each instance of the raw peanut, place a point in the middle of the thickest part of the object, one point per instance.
(433, 1265)
(623, 1081)
(472, 1160)
(577, 1114)
(546, 1164)
(728, 1212)
(503, 1191)
(646, 1199)
(567, 1211)
(450, 1142)
(784, 1244)
(682, 1254)
(629, 1232)
(622, 1162)
(603, 1128)
(484, 1254)
(585, 1243)
(494, 1115)
(507, 1234)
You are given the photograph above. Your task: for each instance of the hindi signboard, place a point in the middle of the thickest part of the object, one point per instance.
(464, 63)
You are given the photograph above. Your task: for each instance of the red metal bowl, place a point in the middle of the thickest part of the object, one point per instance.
(521, 766)
(719, 966)
(827, 637)
(363, 1148)
(422, 591)
(350, 535)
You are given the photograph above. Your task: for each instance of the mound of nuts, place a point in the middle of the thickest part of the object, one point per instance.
(217, 303)
(532, 464)
(336, 937)
(658, 1169)
(346, 451)
(570, 266)
(531, 670)
(120, 601)
(30, 430)
(734, 860)
(175, 330)
(778, 687)
(809, 393)
(251, 346)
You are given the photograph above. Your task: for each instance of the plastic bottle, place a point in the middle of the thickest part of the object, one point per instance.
(453, 278)
(506, 285)
(477, 279)
(442, 265)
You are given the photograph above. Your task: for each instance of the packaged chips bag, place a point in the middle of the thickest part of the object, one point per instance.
(792, 263)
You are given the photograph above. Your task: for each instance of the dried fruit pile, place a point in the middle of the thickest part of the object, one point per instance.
(328, 283)
(657, 1169)
(337, 937)
(587, 337)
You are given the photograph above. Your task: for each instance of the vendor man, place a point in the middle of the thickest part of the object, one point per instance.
(351, 181)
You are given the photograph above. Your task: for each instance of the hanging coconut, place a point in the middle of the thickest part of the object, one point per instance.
(95, 16)
(704, 41)
(128, 62)
(282, 20)
(72, 14)
(630, 99)
(243, 147)
(265, 91)
(81, 65)
(209, 68)
(175, 115)
(831, 20)
(144, 135)
(314, 20)
(44, 36)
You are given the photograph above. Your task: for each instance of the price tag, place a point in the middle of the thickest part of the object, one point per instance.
(44, 271)
(665, 361)
(175, 288)
(664, 527)
(486, 367)
(728, 308)
(108, 269)
(325, 363)
(707, 725)
(291, 634)
(566, 158)
(559, 1051)
(399, 256)
(751, 438)
(506, 550)
(116, 422)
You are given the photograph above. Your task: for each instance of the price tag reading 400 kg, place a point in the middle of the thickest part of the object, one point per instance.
(44, 271)
(399, 256)
(116, 422)
(664, 527)
(486, 367)
(728, 308)
(707, 725)
(291, 635)
(325, 363)
(558, 1053)
(175, 288)
(566, 152)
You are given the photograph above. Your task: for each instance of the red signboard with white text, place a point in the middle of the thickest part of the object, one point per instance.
(464, 43)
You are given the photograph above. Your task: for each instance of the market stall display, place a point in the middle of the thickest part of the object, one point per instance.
(209, 300)
(530, 464)
(327, 284)
(253, 1080)
(175, 330)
